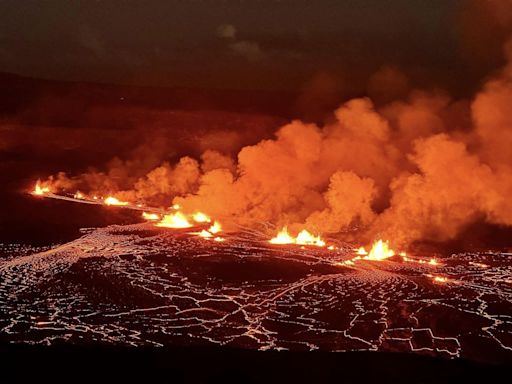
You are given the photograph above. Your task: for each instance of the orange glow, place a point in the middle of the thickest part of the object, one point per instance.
(306, 238)
(303, 238)
(219, 239)
(479, 265)
(111, 200)
(174, 220)
(432, 261)
(438, 279)
(204, 233)
(40, 190)
(380, 251)
(283, 237)
(361, 251)
(150, 216)
(208, 234)
(215, 227)
(200, 217)
(176, 207)
(78, 195)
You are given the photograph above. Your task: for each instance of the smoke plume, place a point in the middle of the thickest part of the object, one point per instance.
(422, 167)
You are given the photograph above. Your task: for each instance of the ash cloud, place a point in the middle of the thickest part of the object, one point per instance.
(405, 164)
(422, 168)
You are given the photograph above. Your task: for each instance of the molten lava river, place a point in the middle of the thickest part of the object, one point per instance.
(147, 284)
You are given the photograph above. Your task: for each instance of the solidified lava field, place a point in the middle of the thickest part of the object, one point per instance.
(139, 285)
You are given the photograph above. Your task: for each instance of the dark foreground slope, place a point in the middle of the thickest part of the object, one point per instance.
(221, 365)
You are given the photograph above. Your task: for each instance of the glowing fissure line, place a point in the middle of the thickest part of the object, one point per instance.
(90, 201)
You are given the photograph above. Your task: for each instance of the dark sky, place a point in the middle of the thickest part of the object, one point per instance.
(227, 44)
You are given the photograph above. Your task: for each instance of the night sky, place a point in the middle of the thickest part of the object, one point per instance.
(270, 45)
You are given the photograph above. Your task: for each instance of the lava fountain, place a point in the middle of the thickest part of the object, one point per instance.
(40, 190)
(303, 238)
(174, 220)
(380, 251)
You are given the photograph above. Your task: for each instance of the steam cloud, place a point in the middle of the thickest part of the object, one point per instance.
(419, 168)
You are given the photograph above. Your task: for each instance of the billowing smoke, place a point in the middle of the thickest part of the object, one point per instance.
(422, 167)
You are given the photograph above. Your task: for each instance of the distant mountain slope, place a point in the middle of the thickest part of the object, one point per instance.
(18, 92)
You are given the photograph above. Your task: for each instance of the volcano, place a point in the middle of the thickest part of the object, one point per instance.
(144, 285)
(319, 188)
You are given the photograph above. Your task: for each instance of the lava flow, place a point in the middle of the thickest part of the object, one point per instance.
(110, 200)
(39, 190)
(174, 220)
(380, 251)
(303, 238)
(299, 190)
(210, 232)
(340, 273)
(43, 190)
(200, 217)
(438, 279)
(165, 219)
(150, 216)
(181, 220)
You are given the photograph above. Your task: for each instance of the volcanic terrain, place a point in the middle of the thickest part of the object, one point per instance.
(143, 285)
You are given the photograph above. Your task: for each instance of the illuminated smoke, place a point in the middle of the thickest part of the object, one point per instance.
(422, 168)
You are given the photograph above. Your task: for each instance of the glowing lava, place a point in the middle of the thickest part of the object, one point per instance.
(174, 220)
(438, 279)
(283, 237)
(432, 261)
(479, 265)
(39, 190)
(111, 200)
(361, 251)
(306, 238)
(215, 227)
(150, 216)
(380, 251)
(200, 217)
(303, 238)
(208, 234)
(205, 234)
(78, 195)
